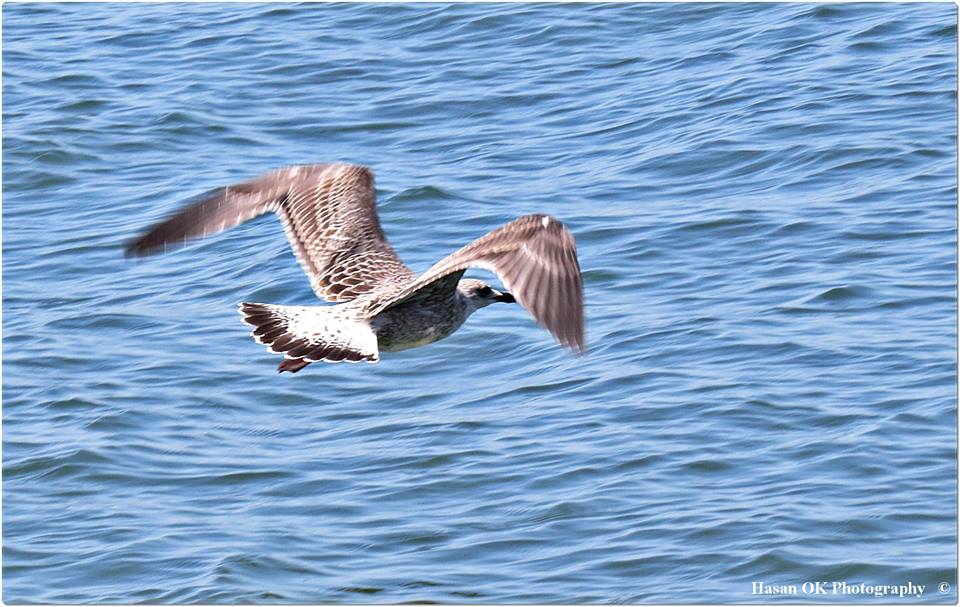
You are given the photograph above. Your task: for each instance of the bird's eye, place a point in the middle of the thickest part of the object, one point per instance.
(484, 291)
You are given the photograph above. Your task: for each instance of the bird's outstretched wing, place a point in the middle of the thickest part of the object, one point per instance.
(534, 256)
(327, 210)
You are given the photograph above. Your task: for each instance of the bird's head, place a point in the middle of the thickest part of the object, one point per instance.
(479, 294)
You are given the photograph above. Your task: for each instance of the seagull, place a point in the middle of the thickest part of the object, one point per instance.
(329, 214)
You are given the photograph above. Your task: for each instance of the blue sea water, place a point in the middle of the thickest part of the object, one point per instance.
(764, 201)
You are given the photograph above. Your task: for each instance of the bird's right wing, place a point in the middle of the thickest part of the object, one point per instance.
(535, 257)
(328, 212)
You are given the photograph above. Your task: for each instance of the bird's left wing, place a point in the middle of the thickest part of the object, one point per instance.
(327, 210)
(536, 258)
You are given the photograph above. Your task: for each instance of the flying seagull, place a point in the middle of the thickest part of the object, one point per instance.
(329, 214)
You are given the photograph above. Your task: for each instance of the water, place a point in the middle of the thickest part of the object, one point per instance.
(764, 200)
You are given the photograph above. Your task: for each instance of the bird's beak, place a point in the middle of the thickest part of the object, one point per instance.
(506, 298)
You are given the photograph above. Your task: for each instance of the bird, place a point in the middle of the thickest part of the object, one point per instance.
(329, 214)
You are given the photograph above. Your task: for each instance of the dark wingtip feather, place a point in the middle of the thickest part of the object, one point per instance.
(180, 226)
(130, 249)
(140, 247)
(579, 347)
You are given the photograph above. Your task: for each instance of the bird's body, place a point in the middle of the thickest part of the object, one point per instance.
(329, 215)
(417, 324)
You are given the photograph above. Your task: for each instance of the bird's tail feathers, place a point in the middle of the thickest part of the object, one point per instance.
(307, 334)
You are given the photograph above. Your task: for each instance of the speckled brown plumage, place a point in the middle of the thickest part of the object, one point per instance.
(328, 212)
(534, 256)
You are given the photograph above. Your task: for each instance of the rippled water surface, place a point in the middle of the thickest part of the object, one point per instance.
(764, 200)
